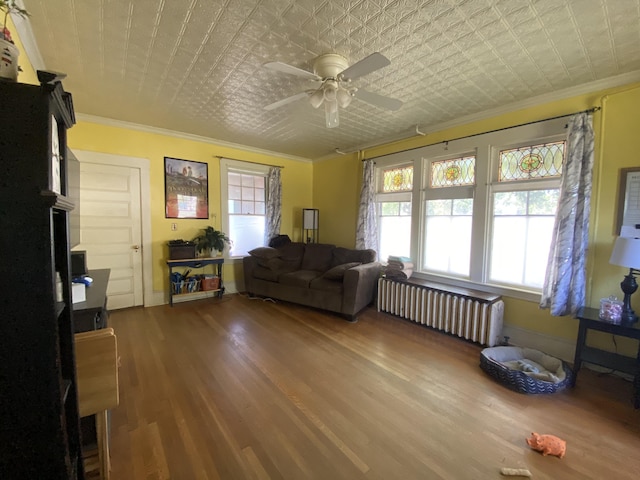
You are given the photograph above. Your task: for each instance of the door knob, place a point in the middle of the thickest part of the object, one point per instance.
(136, 247)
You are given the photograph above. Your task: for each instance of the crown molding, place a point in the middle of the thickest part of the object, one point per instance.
(585, 88)
(109, 122)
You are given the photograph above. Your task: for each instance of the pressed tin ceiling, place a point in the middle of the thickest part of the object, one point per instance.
(196, 66)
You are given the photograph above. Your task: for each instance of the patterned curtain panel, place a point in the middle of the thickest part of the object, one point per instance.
(565, 282)
(274, 204)
(367, 229)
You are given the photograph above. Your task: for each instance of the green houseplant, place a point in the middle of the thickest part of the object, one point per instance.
(210, 239)
(9, 52)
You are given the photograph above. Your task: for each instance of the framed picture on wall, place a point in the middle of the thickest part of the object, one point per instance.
(628, 207)
(186, 189)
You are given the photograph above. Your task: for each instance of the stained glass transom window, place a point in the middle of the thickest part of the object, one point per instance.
(397, 180)
(535, 161)
(453, 172)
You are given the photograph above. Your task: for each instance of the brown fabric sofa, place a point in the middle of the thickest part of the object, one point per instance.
(318, 275)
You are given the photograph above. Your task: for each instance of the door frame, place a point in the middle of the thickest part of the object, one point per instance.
(142, 164)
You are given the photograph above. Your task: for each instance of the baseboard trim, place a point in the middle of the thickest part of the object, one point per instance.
(557, 346)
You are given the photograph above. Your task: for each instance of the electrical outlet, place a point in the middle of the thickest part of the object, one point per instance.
(174, 226)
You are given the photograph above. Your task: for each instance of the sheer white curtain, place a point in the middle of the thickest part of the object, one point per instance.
(565, 282)
(274, 204)
(367, 229)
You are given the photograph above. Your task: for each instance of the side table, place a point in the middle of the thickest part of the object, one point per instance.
(589, 320)
(200, 262)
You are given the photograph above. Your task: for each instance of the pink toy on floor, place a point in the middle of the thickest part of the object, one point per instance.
(547, 444)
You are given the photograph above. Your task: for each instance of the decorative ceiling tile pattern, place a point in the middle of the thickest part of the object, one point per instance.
(196, 66)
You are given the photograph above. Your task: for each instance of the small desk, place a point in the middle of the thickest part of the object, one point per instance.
(589, 320)
(92, 313)
(196, 263)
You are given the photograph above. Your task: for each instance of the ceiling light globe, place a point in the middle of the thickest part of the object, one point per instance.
(343, 97)
(316, 98)
(330, 88)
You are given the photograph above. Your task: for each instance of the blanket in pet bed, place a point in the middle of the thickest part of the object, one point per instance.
(526, 370)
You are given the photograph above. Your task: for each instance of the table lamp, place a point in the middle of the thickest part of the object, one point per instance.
(626, 253)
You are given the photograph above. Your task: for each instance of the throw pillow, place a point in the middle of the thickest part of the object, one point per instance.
(337, 272)
(264, 252)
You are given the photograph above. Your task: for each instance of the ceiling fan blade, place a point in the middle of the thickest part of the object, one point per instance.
(291, 70)
(287, 100)
(378, 100)
(365, 66)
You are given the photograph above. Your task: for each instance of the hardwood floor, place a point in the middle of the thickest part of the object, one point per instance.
(245, 389)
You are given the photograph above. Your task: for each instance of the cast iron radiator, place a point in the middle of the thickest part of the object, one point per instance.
(476, 316)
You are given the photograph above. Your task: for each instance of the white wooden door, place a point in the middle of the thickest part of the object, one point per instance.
(110, 229)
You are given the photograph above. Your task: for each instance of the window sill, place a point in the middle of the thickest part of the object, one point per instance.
(526, 295)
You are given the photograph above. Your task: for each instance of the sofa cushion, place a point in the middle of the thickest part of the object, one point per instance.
(264, 273)
(317, 256)
(322, 283)
(299, 278)
(291, 254)
(347, 255)
(337, 272)
(264, 252)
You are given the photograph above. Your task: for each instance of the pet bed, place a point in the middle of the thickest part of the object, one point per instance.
(526, 370)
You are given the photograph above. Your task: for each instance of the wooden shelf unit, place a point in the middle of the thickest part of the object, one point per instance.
(191, 263)
(39, 420)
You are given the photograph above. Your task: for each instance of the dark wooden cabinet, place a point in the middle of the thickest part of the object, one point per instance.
(39, 422)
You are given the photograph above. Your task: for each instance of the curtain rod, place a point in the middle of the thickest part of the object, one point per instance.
(589, 110)
(249, 161)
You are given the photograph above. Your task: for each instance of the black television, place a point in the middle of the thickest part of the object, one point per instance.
(73, 192)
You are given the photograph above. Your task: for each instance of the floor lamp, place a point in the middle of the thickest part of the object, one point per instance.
(310, 219)
(626, 253)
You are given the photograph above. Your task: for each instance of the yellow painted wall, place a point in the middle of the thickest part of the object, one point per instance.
(296, 180)
(336, 195)
(617, 146)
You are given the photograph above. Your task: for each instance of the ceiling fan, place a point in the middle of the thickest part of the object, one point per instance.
(335, 76)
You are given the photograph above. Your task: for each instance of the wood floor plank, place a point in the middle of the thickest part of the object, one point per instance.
(236, 388)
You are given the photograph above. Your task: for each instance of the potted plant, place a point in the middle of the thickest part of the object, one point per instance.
(211, 240)
(8, 51)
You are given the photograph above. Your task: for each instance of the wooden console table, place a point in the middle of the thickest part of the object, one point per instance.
(196, 263)
(589, 320)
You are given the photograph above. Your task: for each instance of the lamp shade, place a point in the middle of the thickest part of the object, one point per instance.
(343, 97)
(310, 218)
(626, 252)
(316, 98)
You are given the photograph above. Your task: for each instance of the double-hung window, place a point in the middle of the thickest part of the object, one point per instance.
(478, 211)
(243, 186)
(448, 210)
(395, 185)
(524, 198)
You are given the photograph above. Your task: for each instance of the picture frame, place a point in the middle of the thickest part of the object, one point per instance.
(628, 206)
(186, 188)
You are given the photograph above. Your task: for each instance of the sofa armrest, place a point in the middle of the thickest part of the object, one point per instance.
(359, 286)
(249, 263)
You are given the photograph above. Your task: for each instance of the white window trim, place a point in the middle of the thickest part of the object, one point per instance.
(227, 165)
(485, 171)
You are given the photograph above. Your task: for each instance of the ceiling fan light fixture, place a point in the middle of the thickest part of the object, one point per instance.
(331, 114)
(330, 88)
(316, 98)
(343, 97)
